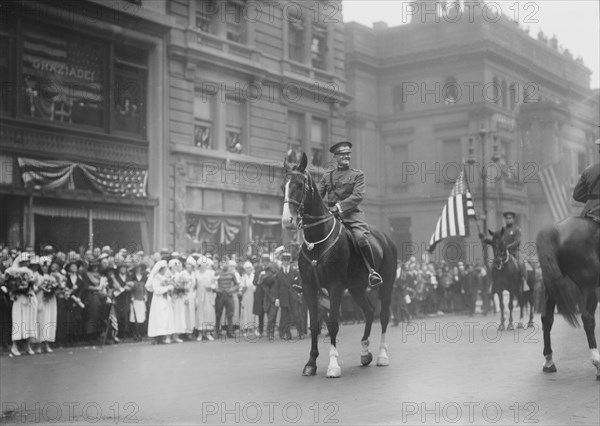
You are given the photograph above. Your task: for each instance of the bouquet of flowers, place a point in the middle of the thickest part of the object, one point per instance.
(49, 286)
(19, 281)
(180, 286)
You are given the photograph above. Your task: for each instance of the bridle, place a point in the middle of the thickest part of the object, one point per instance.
(499, 261)
(302, 215)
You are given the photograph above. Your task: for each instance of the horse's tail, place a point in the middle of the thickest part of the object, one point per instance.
(559, 286)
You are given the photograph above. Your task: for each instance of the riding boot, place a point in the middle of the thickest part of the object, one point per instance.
(374, 278)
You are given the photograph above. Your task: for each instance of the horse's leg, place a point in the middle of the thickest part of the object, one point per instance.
(531, 309)
(590, 301)
(360, 297)
(510, 309)
(547, 321)
(501, 302)
(312, 302)
(521, 300)
(333, 369)
(384, 317)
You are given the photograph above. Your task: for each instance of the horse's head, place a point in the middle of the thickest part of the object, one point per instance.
(499, 247)
(297, 190)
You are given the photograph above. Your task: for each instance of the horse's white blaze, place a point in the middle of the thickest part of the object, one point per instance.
(286, 217)
(334, 369)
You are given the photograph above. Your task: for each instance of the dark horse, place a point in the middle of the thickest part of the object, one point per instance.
(505, 276)
(568, 252)
(526, 298)
(329, 259)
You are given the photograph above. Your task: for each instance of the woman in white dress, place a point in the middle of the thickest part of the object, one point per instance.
(160, 320)
(248, 320)
(205, 299)
(21, 281)
(189, 275)
(178, 298)
(46, 306)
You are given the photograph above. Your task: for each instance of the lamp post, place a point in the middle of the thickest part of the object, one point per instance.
(483, 136)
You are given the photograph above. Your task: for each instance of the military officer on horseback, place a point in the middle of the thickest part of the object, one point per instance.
(343, 189)
(587, 190)
(511, 236)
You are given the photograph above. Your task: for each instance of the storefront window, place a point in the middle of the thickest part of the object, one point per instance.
(63, 78)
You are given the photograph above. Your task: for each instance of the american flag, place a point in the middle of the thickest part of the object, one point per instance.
(454, 218)
(556, 192)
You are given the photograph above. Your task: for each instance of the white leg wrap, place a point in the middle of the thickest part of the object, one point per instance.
(333, 370)
(595, 358)
(548, 362)
(364, 351)
(383, 359)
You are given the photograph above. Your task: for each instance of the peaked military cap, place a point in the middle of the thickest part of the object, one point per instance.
(509, 213)
(341, 147)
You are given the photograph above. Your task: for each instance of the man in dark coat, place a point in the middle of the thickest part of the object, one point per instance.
(343, 190)
(290, 309)
(259, 294)
(587, 190)
(272, 296)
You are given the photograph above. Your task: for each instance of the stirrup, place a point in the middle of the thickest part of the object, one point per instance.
(375, 279)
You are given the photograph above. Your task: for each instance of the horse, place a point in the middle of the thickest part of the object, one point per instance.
(505, 276)
(329, 259)
(568, 252)
(526, 298)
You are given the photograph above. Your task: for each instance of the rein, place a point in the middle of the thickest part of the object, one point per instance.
(499, 266)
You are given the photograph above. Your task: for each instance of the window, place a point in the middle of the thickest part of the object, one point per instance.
(206, 10)
(203, 120)
(450, 90)
(296, 38)
(452, 156)
(295, 136)
(6, 58)
(130, 88)
(63, 77)
(318, 46)
(398, 98)
(233, 15)
(318, 137)
(64, 81)
(396, 156)
(234, 134)
(513, 96)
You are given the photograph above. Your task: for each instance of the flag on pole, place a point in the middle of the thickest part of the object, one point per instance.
(556, 193)
(455, 215)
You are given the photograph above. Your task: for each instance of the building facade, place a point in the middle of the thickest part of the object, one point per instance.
(249, 84)
(82, 122)
(422, 93)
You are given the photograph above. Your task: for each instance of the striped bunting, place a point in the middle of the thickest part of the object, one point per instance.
(556, 193)
(454, 218)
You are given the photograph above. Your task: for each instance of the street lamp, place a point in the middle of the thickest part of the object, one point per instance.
(483, 135)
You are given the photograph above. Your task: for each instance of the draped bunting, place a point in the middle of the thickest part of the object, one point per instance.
(212, 229)
(108, 180)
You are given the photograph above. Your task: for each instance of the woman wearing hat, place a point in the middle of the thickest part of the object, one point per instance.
(248, 320)
(47, 287)
(137, 313)
(20, 282)
(205, 299)
(190, 277)
(70, 321)
(92, 297)
(160, 320)
(178, 297)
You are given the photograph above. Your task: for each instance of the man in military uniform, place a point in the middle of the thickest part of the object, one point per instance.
(343, 189)
(587, 190)
(512, 240)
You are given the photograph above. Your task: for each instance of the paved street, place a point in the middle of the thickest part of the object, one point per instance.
(449, 369)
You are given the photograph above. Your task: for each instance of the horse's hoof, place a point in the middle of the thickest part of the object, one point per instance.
(366, 359)
(510, 327)
(501, 327)
(519, 325)
(551, 369)
(334, 372)
(309, 370)
(383, 361)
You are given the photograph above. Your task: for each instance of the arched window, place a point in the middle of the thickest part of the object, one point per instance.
(450, 90)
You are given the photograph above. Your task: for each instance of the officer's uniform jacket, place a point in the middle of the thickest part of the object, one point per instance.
(512, 239)
(344, 188)
(587, 189)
